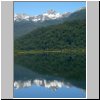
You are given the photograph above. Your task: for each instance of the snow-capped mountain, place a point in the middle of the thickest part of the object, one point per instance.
(18, 17)
(24, 23)
(49, 15)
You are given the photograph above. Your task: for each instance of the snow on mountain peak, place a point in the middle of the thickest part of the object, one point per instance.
(23, 16)
(52, 14)
(49, 15)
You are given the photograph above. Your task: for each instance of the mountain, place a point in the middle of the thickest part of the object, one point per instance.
(20, 17)
(24, 23)
(49, 15)
(78, 15)
(70, 34)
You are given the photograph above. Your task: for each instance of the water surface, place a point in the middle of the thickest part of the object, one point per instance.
(50, 76)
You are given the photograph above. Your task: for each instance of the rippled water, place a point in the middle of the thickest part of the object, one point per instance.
(49, 76)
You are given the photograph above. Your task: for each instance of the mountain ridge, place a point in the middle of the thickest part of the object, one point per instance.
(48, 15)
(23, 27)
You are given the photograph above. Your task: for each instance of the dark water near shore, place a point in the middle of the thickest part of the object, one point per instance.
(50, 76)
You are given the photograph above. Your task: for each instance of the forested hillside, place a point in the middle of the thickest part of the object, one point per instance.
(70, 34)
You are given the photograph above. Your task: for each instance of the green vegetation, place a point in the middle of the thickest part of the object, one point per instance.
(58, 65)
(24, 27)
(65, 51)
(67, 35)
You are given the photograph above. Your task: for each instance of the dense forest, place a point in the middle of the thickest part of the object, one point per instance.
(70, 34)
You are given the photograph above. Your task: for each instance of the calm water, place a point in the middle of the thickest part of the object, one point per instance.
(50, 76)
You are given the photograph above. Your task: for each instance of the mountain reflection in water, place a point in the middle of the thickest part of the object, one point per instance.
(47, 84)
(40, 79)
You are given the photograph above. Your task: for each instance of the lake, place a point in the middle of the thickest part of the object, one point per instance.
(50, 76)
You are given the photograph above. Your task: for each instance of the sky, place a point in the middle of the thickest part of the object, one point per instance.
(36, 8)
